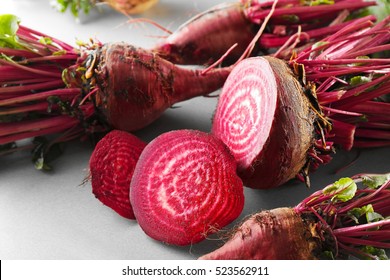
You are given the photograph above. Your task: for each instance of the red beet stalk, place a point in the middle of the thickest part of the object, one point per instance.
(282, 120)
(292, 24)
(185, 187)
(49, 87)
(339, 222)
(351, 73)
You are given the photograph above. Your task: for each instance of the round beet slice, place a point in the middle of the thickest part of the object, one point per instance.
(111, 167)
(185, 187)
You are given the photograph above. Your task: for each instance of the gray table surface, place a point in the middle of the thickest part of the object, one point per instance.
(51, 216)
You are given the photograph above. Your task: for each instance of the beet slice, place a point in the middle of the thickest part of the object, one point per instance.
(111, 167)
(266, 121)
(185, 187)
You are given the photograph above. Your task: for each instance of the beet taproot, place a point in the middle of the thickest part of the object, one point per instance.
(206, 37)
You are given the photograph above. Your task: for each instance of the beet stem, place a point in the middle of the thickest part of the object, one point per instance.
(251, 46)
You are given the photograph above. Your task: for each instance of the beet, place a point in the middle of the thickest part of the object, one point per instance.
(265, 120)
(185, 187)
(284, 119)
(278, 234)
(293, 24)
(135, 86)
(111, 168)
(207, 36)
(349, 218)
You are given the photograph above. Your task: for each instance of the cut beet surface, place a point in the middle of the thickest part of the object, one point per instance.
(245, 109)
(265, 120)
(111, 167)
(185, 187)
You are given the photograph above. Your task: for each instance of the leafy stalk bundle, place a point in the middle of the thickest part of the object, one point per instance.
(358, 219)
(347, 77)
(349, 218)
(303, 20)
(34, 98)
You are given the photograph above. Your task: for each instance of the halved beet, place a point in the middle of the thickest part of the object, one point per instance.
(266, 121)
(185, 187)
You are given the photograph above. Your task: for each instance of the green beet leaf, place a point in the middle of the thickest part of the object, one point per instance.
(375, 181)
(9, 25)
(380, 254)
(366, 211)
(342, 190)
